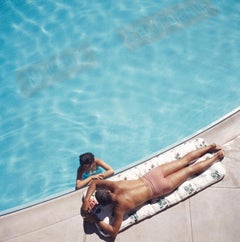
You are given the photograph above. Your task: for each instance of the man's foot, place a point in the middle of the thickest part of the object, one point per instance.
(214, 148)
(219, 155)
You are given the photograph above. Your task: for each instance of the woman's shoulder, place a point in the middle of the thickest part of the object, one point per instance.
(98, 161)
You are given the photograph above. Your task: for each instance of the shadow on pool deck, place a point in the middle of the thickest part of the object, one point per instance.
(212, 215)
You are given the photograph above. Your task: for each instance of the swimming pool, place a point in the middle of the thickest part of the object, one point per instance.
(121, 79)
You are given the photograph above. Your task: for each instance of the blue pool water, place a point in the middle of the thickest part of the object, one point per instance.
(122, 79)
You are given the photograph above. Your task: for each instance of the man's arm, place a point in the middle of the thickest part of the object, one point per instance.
(113, 229)
(85, 205)
(91, 189)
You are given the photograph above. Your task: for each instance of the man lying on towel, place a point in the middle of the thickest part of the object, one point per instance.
(127, 195)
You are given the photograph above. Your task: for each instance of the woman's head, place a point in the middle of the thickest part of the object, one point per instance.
(86, 159)
(103, 196)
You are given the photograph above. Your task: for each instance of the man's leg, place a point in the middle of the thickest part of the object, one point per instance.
(182, 175)
(174, 166)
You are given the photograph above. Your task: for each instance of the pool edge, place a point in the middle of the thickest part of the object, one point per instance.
(198, 133)
(65, 209)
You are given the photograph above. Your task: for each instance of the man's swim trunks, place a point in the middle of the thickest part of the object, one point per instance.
(157, 182)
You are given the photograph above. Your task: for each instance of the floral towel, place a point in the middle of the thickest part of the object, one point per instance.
(214, 174)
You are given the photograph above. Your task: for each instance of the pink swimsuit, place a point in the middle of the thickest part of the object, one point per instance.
(157, 182)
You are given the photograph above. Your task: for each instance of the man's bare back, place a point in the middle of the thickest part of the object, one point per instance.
(131, 194)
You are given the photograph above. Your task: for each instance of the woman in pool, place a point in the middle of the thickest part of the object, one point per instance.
(91, 168)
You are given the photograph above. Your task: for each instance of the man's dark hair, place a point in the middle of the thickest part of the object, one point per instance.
(103, 196)
(86, 158)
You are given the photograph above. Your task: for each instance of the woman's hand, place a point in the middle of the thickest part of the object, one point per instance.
(97, 177)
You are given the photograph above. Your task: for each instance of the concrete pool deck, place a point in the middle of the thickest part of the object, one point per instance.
(212, 215)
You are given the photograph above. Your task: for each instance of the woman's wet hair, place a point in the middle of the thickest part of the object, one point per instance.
(86, 158)
(103, 196)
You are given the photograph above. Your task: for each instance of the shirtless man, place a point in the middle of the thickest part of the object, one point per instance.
(126, 195)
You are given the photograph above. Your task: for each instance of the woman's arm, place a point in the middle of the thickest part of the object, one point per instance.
(82, 183)
(79, 181)
(109, 170)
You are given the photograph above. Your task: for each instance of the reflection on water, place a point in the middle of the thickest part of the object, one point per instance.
(166, 21)
(64, 65)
